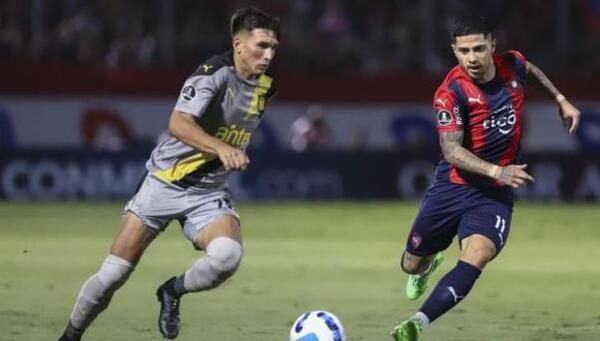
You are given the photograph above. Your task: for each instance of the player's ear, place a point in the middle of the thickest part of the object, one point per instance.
(493, 45)
(454, 50)
(237, 44)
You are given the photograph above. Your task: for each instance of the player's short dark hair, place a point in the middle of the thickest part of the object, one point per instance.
(250, 18)
(470, 24)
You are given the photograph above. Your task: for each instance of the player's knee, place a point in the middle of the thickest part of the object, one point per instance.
(411, 264)
(225, 256)
(478, 256)
(114, 271)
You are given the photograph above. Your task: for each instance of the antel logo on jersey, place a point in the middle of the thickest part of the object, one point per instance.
(504, 119)
(188, 93)
(444, 117)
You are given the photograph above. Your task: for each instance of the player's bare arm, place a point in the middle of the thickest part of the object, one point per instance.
(569, 114)
(184, 128)
(457, 155)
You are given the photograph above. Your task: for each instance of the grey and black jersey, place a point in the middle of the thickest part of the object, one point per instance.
(226, 106)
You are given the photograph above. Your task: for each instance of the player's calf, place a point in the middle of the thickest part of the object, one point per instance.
(413, 264)
(450, 290)
(223, 257)
(96, 293)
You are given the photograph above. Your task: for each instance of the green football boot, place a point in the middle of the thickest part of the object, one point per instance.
(416, 285)
(409, 330)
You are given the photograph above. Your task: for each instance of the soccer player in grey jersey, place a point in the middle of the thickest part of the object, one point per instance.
(211, 125)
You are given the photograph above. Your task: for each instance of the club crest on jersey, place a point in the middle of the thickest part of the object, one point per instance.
(415, 240)
(188, 93)
(444, 117)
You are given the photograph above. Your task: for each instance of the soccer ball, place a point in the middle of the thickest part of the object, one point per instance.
(317, 325)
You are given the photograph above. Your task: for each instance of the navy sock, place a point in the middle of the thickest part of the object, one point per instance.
(174, 286)
(178, 287)
(450, 290)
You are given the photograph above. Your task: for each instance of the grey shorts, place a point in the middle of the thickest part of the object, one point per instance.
(157, 204)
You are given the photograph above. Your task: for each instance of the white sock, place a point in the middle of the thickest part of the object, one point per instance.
(96, 292)
(223, 257)
(420, 316)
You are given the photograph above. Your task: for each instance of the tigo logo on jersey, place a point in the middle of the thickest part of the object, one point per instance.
(504, 119)
(188, 93)
(444, 117)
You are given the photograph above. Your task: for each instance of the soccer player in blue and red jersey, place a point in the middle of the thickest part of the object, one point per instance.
(478, 109)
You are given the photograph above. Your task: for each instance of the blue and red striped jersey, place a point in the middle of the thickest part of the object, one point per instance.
(488, 113)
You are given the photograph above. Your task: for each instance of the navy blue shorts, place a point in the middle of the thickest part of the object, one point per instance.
(450, 209)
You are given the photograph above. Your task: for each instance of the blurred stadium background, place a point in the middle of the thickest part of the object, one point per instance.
(86, 88)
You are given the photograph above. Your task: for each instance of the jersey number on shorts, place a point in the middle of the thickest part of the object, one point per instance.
(500, 226)
(224, 202)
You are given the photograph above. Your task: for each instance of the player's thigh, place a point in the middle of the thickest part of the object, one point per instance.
(491, 220)
(433, 228)
(223, 226)
(215, 216)
(132, 239)
(156, 203)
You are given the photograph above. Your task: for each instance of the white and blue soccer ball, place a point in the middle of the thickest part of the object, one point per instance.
(317, 325)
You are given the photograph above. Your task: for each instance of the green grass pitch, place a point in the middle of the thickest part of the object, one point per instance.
(341, 257)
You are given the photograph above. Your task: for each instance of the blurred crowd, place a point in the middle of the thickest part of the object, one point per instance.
(317, 35)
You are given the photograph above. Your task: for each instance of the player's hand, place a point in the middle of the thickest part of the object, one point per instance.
(514, 175)
(232, 158)
(570, 116)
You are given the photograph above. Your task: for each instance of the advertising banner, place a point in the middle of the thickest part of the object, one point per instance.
(27, 175)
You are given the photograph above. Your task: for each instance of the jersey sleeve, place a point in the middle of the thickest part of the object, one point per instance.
(518, 61)
(197, 92)
(448, 110)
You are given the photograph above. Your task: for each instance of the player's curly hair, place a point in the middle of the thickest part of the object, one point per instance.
(470, 24)
(249, 18)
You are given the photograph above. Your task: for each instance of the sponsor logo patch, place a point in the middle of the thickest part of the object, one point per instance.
(444, 117)
(503, 119)
(188, 93)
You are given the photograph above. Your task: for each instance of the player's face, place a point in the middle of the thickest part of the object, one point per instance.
(475, 54)
(254, 51)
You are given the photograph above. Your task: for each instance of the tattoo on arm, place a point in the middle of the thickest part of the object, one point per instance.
(457, 155)
(505, 174)
(539, 79)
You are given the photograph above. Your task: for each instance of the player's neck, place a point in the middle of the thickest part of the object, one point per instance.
(246, 75)
(242, 70)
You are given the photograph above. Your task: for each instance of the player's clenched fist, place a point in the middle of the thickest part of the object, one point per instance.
(513, 175)
(232, 158)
